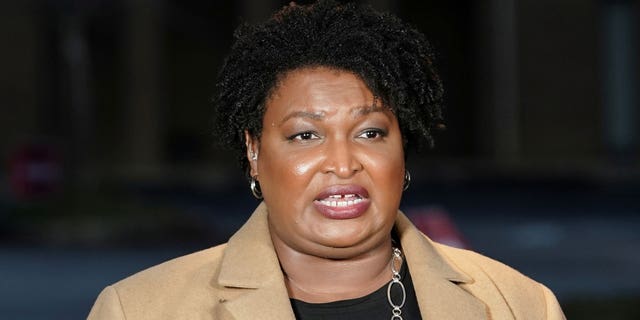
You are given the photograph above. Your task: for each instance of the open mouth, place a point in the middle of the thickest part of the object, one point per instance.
(342, 201)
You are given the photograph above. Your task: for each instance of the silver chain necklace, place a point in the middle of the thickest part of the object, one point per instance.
(396, 258)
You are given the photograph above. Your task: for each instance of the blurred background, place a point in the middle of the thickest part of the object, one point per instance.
(108, 164)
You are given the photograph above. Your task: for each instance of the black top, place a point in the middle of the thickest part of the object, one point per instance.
(370, 307)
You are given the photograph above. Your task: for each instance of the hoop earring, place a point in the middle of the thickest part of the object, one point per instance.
(407, 180)
(255, 188)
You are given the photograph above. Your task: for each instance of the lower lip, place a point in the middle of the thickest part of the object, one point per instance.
(340, 213)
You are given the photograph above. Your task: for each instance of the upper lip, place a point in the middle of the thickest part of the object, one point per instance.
(343, 190)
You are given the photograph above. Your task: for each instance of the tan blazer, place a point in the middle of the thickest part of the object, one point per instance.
(242, 280)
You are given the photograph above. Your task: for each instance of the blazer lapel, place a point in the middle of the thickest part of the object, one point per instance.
(436, 280)
(253, 283)
(251, 275)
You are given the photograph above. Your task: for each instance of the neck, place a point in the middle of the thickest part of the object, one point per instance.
(318, 279)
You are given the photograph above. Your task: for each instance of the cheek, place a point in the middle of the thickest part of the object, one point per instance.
(391, 174)
(303, 165)
(288, 168)
(387, 172)
(389, 161)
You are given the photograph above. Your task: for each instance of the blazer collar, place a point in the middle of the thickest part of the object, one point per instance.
(251, 272)
(436, 279)
(250, 260)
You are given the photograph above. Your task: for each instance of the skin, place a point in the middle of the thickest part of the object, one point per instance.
(321, 128)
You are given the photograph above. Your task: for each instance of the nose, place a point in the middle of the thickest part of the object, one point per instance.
(341, 159)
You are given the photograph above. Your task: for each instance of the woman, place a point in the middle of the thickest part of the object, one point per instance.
(322, 101)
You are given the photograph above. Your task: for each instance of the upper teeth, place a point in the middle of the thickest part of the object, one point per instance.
(338, 196)
(353, 199)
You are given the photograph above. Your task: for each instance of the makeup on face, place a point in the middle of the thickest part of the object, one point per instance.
(331, 167)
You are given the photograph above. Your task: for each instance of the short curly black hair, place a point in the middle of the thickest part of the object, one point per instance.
(393, 59)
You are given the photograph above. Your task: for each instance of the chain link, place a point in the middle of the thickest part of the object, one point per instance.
(396, 258)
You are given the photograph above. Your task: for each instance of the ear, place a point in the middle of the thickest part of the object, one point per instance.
(253, 146)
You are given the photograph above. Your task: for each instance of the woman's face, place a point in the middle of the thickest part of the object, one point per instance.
(330, 164)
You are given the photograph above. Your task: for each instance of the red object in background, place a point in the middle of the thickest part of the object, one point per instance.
(34, 171)
(438, 225)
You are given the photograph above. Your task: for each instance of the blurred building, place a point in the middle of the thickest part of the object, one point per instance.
(123, 88)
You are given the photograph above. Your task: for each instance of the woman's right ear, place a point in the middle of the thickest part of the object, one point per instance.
(252, 146)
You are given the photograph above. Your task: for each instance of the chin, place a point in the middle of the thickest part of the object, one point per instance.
(348, 238)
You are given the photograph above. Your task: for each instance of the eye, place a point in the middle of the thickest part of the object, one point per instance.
(303, 136)
(372, 134)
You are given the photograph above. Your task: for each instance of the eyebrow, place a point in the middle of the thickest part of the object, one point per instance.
(356, 112)
(303, 114)
(365, 110)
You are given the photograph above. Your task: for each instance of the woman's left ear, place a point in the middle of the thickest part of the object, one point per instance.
(252, 152)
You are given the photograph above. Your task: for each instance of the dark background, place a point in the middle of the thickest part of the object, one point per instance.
(108, 164)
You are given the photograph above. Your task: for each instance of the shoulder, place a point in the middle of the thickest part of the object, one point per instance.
(475, 265)
(175, 271)
(176, 289)
(495, 282)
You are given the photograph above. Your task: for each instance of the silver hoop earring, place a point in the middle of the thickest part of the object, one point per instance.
(255, 188)
(407, 180)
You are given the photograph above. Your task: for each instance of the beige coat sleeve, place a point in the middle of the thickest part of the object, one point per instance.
(554, 312)
(107, 306)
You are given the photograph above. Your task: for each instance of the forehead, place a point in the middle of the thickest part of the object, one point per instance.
(319, 89)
